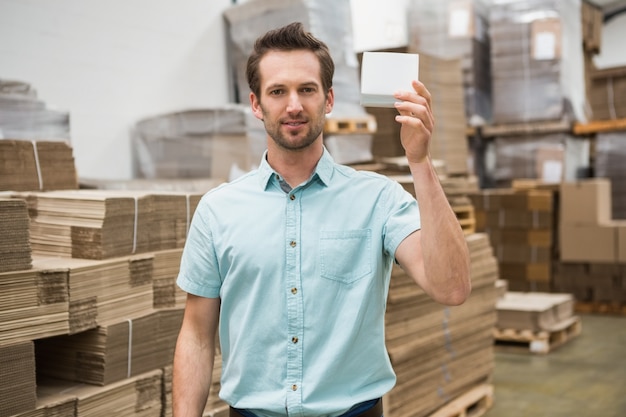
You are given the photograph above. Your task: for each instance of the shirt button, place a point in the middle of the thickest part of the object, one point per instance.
(293, 243)
(294, 339)
(294, 387)
(294, 290)
(292, 197)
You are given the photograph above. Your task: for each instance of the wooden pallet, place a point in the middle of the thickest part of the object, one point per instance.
(598, 126)
(538, 341)
(365, 124)
(600, 307)
(473, 403)
(466, 217)
(528, 128)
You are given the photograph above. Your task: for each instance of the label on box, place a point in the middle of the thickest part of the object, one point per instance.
(546, 39)
(460, 18)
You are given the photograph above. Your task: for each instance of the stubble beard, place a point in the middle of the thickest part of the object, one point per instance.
(314, 128)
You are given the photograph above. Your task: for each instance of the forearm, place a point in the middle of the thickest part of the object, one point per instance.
(444, 249)
(191, 380)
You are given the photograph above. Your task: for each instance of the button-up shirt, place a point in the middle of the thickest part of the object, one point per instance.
(303, 276)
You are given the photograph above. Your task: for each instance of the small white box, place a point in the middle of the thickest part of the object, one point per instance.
(384, 73)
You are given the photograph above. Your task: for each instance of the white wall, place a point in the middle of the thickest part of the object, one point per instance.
(111, 63)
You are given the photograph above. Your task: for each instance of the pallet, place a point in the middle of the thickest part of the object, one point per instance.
(466, 217)
(541, 342)
(365, 124)
(474, 403)
(598, 126)
(600, 307)
(527, 128)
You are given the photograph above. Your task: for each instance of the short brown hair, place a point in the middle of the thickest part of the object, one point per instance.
(289, 38)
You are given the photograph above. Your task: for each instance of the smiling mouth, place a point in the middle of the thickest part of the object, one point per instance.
(294, 123)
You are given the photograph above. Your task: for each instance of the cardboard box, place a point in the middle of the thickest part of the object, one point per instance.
(508, 198)
(588, 243)
(586, 202)
(620, 227)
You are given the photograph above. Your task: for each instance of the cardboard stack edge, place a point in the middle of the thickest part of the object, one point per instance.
(440, 352)
(37, 165)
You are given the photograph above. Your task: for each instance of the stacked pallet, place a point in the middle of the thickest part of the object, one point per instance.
(521, 226)
(538, 322)
(349, 139)
(440, 353)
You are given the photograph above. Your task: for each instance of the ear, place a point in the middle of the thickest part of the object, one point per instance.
(255, 104)
(330, 100)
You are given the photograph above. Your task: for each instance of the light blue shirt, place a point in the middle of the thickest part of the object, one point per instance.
(303, 278)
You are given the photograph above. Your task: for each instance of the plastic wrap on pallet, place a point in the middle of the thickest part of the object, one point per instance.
(550, 157)
(24, 116)
(453, 29)
(537, 61)
(610, 154)
(329, 20)
(216, 142)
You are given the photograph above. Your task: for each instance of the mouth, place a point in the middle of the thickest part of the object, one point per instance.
(294, 123)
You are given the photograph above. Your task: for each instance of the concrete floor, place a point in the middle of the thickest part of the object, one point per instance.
(585, 377)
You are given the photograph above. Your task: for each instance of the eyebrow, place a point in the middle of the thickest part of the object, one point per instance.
(304, 84)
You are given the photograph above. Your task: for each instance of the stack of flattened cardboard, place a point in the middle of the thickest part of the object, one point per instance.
(534, 311)
(443, 78)
(166, 292)
(18, 383)
(521, 225)
(440, 352)
(102, 224)
(138, 396)
(36, 165)
(113, 352)
(104, 291)
(15, 251)
(33, 305)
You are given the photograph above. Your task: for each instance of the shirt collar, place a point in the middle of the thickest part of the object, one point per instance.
(323, 170)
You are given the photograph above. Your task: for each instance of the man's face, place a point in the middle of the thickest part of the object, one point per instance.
(292, 104)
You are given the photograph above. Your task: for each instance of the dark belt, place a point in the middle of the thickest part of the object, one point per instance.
(375, 411)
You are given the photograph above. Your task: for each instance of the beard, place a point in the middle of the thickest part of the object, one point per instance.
(295, 141)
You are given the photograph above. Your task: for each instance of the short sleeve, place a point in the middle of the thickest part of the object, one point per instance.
(199, 271)
(403, 216)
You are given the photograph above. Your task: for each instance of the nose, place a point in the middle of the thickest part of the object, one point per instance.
(294, 105)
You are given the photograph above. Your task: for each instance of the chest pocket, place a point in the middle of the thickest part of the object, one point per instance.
(345, 255)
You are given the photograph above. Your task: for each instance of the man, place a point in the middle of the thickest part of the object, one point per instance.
(293, 260)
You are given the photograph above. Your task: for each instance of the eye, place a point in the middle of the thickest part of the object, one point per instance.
(308, 90)
(276, 92)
